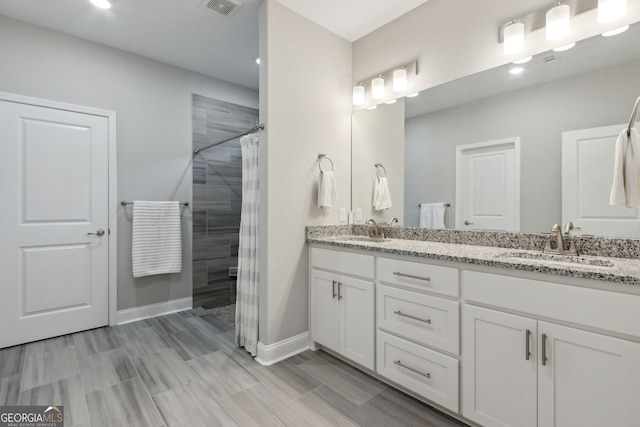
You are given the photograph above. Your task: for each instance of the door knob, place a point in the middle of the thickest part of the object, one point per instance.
(468, 223)
(99, 232)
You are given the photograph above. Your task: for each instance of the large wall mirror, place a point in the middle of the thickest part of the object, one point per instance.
(557, 95)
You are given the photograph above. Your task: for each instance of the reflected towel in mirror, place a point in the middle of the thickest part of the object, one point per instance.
(432, 215)
(381, 194)
(625, 190)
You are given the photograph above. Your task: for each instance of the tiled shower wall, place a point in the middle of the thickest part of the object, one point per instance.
(217, 198)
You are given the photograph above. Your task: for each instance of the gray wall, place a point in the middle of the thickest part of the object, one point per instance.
(153, 106)
(538, 115)
(217, 198)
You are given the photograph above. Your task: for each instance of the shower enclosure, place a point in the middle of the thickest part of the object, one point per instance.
(217, 198)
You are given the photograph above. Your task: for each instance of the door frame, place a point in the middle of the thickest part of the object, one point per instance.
(113, 181)
(460, 175)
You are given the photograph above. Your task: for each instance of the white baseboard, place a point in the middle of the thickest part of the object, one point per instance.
(153, 310)
(274, 353)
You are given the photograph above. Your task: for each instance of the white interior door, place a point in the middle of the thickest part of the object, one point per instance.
(54, 187)
(488, 186)
(587, 175)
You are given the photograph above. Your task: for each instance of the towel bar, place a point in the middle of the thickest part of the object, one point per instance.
(124, 203)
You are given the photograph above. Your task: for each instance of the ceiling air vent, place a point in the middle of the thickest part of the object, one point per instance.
(223, 7)
(550, 58)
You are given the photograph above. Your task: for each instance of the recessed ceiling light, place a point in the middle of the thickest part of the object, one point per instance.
(373, 107)
(523, 60)
(393, 101)
(564, 47)
(616, 31)
(516, 70)
(412, 95)
(102, 4)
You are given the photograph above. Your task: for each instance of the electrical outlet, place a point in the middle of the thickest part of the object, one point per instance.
(343, 215)
(359, 214)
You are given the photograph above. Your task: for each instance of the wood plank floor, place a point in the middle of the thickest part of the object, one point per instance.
(183, 369)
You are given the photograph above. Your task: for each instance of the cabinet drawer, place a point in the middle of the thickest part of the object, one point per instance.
(426, 372)
(423, 318)
(432, 278)
(343, 262)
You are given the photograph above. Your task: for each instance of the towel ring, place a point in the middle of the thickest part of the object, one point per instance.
(322, 157)
(378, 168)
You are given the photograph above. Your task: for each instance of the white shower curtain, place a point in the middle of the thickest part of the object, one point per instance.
(247, 285)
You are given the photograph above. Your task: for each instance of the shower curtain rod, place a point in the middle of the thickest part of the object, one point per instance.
(258, 126)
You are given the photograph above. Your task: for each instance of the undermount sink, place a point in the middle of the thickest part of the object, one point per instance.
(366, 239)
(560, 259)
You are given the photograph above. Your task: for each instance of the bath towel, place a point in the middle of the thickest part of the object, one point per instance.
(625, 190)
(381, 194)
(432, 215)
(326, 189)
(156, 243)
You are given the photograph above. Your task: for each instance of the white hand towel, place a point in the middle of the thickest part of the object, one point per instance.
(432, 215)
(156, 243)
(381, 194)
(326, 189)
(625, 190)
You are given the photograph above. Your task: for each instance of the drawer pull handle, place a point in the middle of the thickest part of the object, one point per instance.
(333, 288)
(544, 349)
(399, 313)
(397, 273)
(339, 293)
(527, 350)
(399, 363)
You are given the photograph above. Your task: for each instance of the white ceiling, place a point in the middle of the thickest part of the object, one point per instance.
(185, 34)
(351, 19)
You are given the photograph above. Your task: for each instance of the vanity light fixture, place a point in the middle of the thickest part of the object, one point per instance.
(558, 21)
(400, 79)
(513, 36)
(102, 4)
(377, 87)
(610, 10)
(615, 32)
(523, 60)
(564, 47)
(358, 94)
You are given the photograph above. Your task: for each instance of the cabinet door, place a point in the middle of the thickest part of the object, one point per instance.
(587, 380)
(498, 382)
(325, 309)
(358, 323)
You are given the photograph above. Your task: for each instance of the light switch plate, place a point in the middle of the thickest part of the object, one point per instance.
(343, 215)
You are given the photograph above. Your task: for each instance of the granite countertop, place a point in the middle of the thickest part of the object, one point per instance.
(610, 269)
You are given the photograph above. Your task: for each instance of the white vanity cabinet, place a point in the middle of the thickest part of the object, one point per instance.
(342, 304)
(417, 336)
(521, 371)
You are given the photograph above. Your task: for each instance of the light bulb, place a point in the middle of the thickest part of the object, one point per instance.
(513, 36)
(610, 10)
(358, 95)
(400, 80)
(558, 22)
(377, 87)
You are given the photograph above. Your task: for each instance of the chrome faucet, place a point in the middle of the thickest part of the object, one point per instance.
(561, 248)
(376, 230)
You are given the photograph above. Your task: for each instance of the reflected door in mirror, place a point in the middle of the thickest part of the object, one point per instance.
(487, 186)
